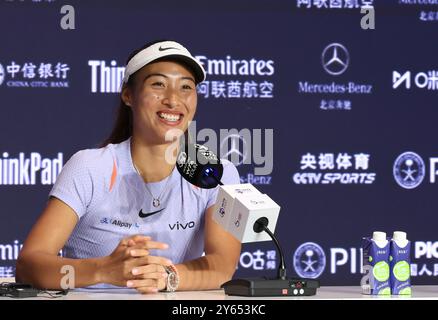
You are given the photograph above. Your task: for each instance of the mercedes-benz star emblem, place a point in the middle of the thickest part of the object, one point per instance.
(335, 59)
(233, 149)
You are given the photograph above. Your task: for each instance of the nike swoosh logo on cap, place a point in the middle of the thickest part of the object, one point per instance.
(168, 48)
(145, 215)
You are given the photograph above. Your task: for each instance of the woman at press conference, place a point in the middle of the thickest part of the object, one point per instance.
(122, 214)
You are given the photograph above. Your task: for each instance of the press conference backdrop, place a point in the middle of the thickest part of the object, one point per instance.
(351, 113)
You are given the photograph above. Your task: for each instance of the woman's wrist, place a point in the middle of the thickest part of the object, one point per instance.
(99, 274)
(172, 279)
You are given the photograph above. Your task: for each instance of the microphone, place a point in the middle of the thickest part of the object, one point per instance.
(199, 166)
(245, 213)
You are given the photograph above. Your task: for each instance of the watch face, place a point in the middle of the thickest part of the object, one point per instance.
(172, 279)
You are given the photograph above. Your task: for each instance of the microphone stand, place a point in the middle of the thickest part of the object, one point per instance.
(281, 286)
(262, 225)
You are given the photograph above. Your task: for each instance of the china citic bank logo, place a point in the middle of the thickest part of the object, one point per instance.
(32, 74)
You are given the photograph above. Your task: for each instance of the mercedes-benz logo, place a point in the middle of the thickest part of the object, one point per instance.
(2, 74)
(233, 149)
(335, 59)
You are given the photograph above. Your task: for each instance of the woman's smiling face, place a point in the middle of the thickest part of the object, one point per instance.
(163, 97)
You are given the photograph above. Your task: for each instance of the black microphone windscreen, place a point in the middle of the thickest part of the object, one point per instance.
(199, 166)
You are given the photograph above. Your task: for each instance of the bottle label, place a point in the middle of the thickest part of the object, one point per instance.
(376, 278)
(400, 268)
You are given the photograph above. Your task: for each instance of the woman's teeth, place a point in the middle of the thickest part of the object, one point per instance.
(169, 117)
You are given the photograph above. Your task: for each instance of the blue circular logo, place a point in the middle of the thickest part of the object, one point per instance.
(2, 74)
(409, 170)
(309, 260)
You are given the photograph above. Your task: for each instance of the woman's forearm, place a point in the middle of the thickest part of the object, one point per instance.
(207, 272)
(47, 271)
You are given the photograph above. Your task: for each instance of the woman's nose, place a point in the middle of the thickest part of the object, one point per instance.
(171, 99)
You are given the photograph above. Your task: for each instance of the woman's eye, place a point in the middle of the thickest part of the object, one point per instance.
(158, 84)
(187, 87)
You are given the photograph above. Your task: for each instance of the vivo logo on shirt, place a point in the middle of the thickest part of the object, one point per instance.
(182, 226)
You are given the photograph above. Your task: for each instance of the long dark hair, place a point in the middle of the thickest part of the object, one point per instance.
(122, 128)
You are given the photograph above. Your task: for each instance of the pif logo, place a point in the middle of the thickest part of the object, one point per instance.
(426, 249)
(409, 170)
(309, 260)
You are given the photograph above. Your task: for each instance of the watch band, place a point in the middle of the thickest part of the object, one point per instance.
(172, 278)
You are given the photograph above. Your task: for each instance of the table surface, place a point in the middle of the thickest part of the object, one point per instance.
(323, 293)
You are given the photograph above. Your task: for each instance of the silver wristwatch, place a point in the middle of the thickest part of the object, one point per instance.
(172, 278)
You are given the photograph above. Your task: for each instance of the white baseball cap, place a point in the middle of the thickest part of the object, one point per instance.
(168, 49)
